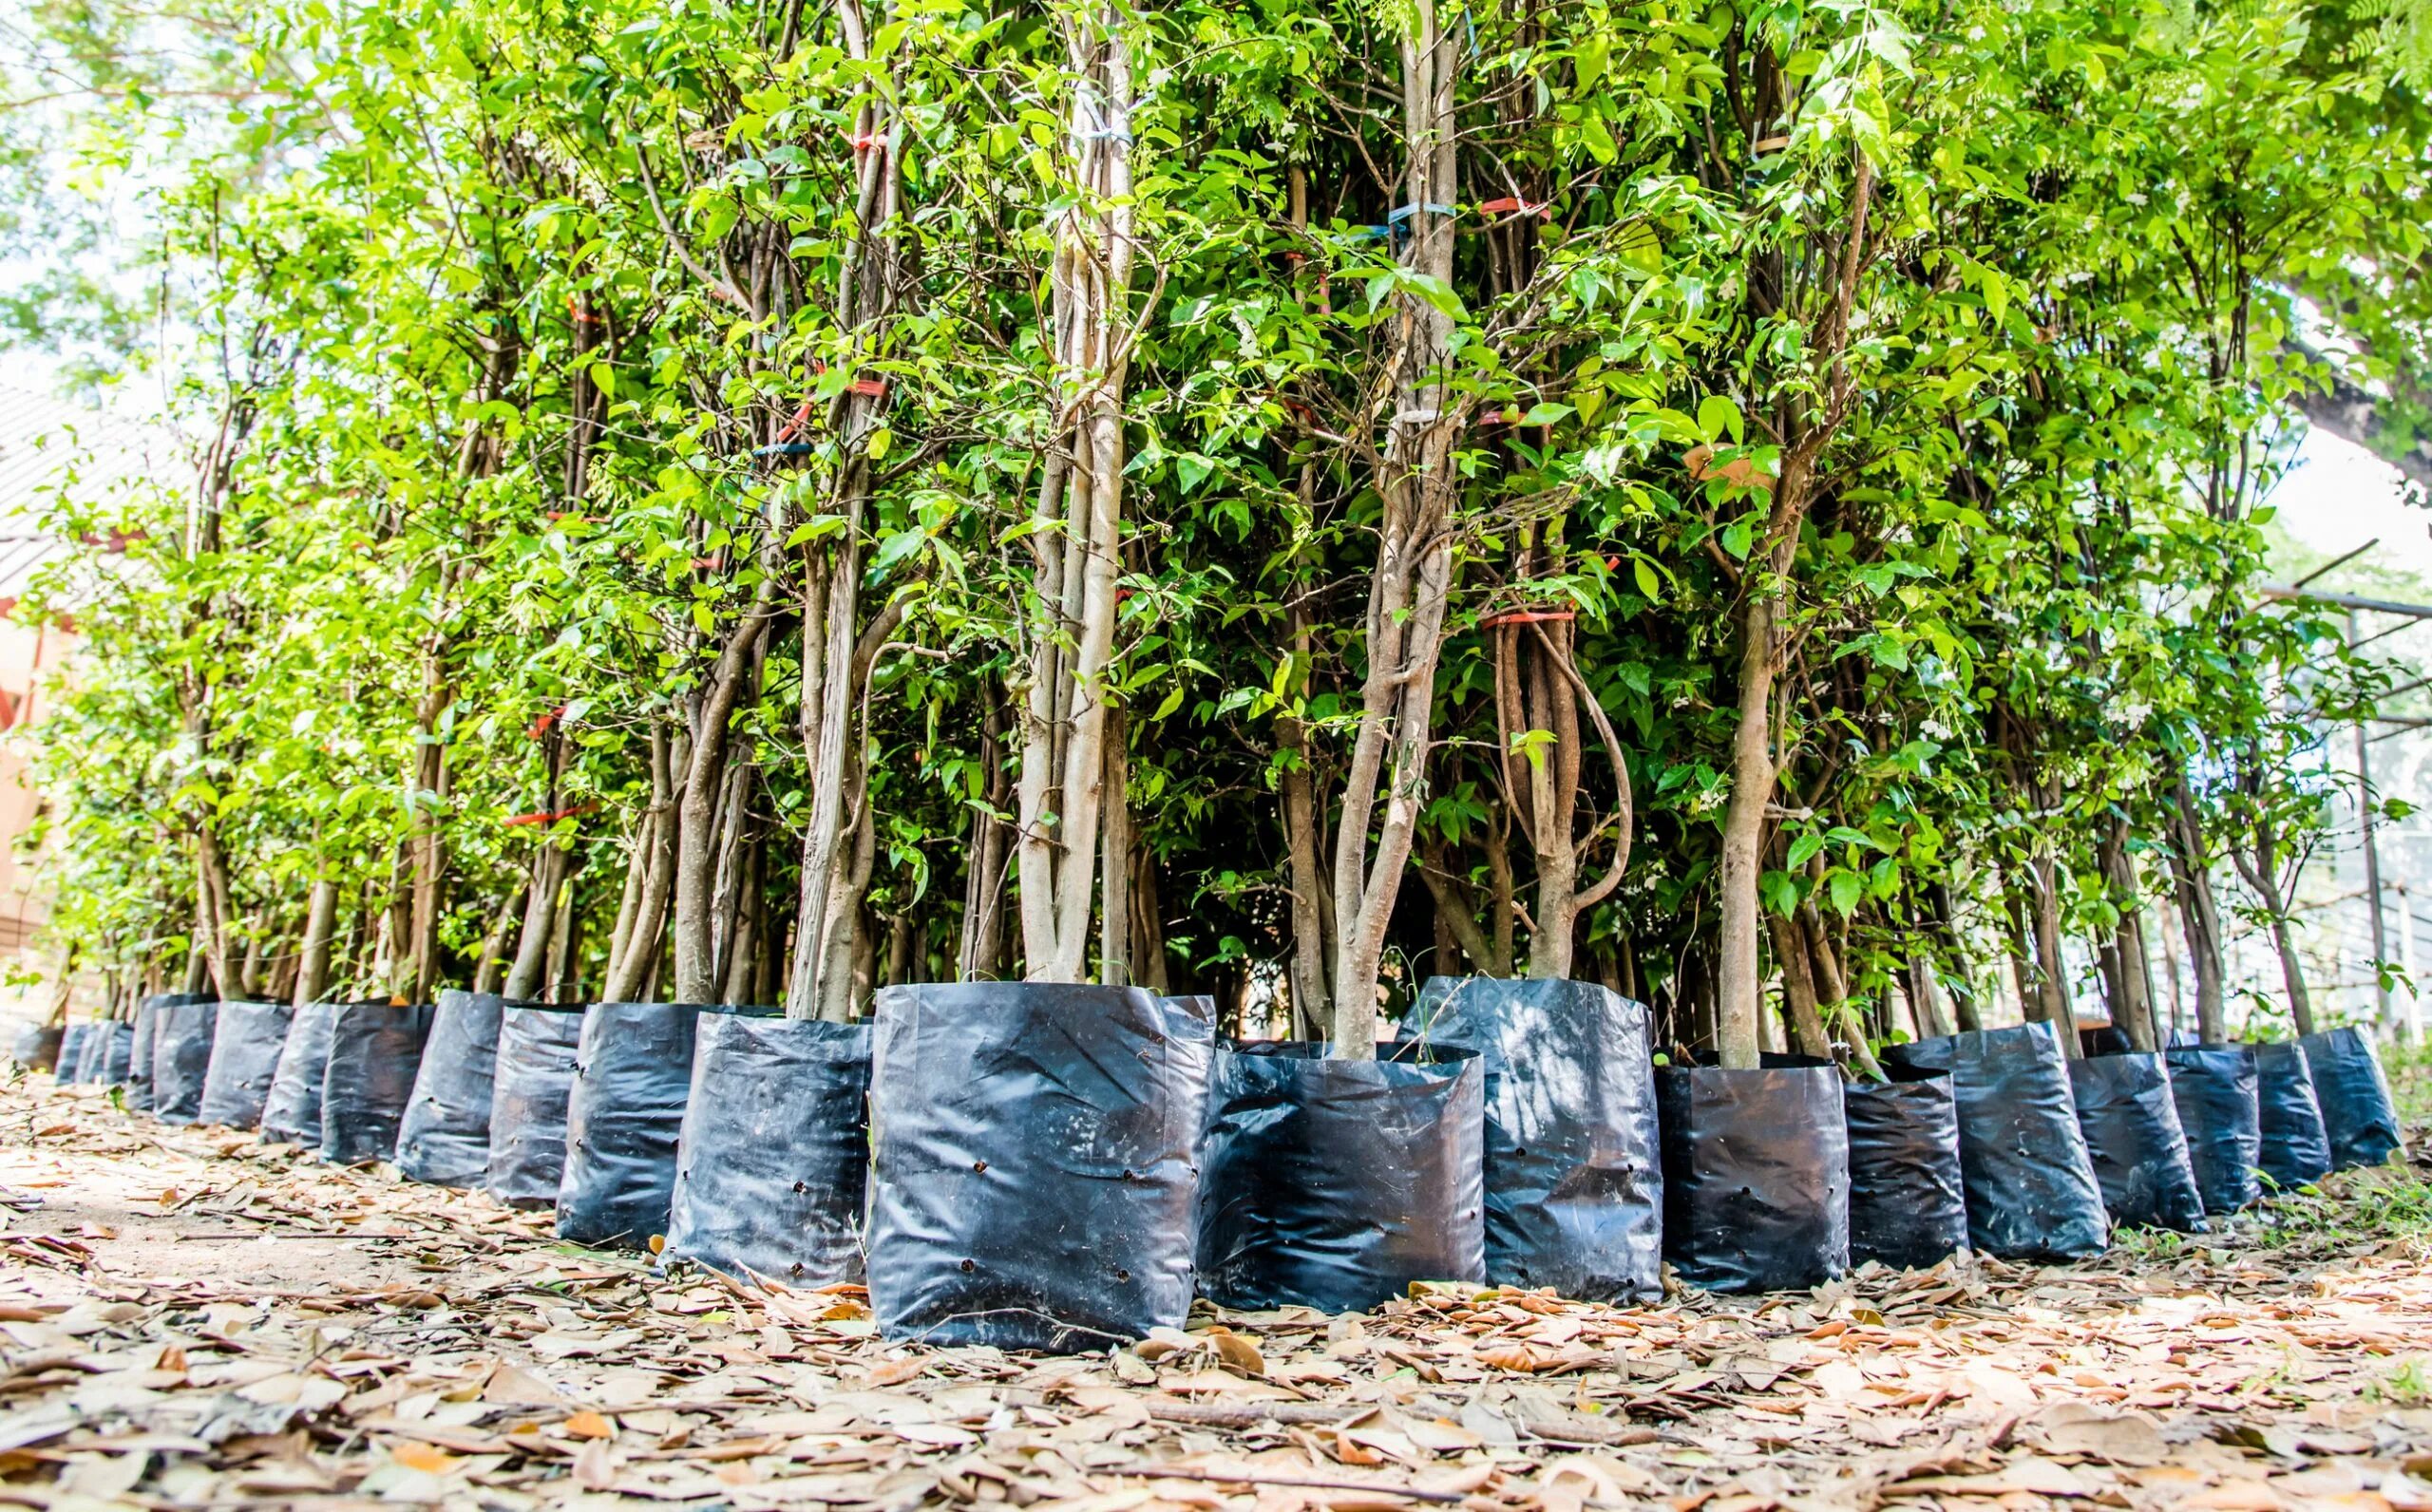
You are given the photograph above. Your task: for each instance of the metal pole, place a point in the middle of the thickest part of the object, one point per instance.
(2372, 855)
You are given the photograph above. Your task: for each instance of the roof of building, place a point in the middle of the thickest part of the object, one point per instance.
(51, 447)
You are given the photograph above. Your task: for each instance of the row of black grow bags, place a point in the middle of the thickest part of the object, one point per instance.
(1573, 1164)
(246, 1041)
(183, 1025)
(444, 1135)
(532, 1080)
(2137, 1145)
(2359, 1119)
(2296, 1151)
(773, 1151)
(2217, 1089)
(2026, 1174)
(624, 1113)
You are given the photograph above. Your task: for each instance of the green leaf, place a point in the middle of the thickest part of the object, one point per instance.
(1716, 414)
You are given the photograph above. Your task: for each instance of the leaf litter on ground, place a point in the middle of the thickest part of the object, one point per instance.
(189, 1317)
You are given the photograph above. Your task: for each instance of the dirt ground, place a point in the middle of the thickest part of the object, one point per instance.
(190, 1320)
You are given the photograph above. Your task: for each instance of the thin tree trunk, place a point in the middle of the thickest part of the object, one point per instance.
(1753, 776)
(1412, 585)
(2131, 1010)
(320, 935)
(2199, 915)
(1808, 1035)
(1115, 916)
(635, 959)
(1076, 534)
(979, 953)
(489, 965)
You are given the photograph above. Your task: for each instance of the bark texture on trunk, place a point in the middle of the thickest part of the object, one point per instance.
(1076, 532)
(1385, 778)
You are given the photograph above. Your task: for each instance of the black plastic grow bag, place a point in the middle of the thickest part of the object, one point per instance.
(1755, 1174)
(2022, 1160)
(771, 1168)
(37, 1047)
(110, 1053)
(182, 1029)
(2131, 1124)
(92, 1053)
(2357, 1117)
(536, 1056)
(375, 1050)
(1574, 1169)
(1907, 1203)
(1034, 1163)
(292, 1113)
(68, 1063)
(1334, 1184)
(2296, 1151)
(2214, 1087)
(445, 1136)
(245, 1062)
(139, 1067)
(632, 1076)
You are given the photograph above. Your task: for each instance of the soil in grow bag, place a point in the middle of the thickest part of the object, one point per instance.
(632, 1075)
(536, 1055)
(1334, 1184)
(37, 1047)
(2022, 1160)
(292, 1113)
(1034, 1163)
(2214, 1087)
(245, 1062)
(1907, 1203)
(2131, 1124)
(2296, 1152)
(2357, 1114)
(375, 1050)
(1574, 1172)
(182, 1034)
(445, 1138)
(773, 1164)
(1755, 1174)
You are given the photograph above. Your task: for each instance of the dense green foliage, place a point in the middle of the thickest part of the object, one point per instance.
(1758, 504)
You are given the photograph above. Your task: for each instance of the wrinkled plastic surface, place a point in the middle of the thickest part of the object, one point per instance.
(2214, 1087)
(1756, 1175)
(535, 1073)
(1334, 1184)
(2131, 1124)
(772, 1166)
(375, 1050)
(113, 1055)
(139, 1068)
(245, 1062)
(291, 1114)
(2357, 1117)
(445, 1136)
(632, 1075)
(1907, 1203)
(1034, 1163)
(2296, 1152)
(1574, 1171)
(182, 1028)
(67, 1064)
(37, 1046)
(90, 1051)
(2022, 1158)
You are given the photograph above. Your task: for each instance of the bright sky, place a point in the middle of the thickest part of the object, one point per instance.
(2340, 496)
